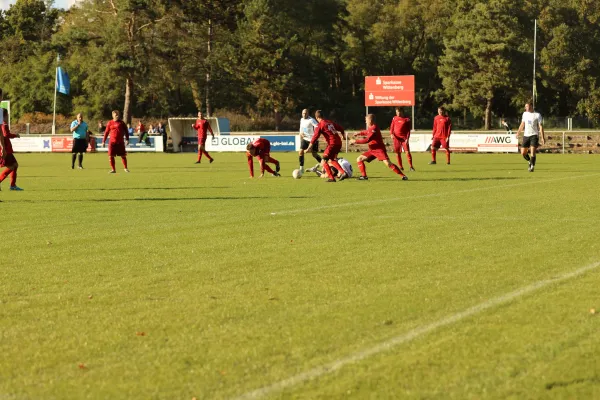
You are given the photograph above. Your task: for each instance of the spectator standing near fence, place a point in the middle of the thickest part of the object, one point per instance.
(163, 132)
(79, 128)
(202, 126)
(533, 136)
(7, 158)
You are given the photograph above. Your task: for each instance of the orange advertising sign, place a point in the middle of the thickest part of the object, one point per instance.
(389, 91)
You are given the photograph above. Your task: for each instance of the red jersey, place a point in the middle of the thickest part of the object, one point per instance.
(7, 136)
(442, 127)
(141, 128)
(400, 127)
(116, 129)
(263, 146)
(202, 126)
(330, 130)
(373, 138)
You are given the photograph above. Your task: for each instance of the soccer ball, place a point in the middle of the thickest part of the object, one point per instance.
(297, 174)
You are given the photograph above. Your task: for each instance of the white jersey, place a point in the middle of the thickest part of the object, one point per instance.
(307, 128)
(532, 122)
(347, 166)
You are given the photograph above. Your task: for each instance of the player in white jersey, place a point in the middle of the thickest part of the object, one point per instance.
(533, 135)
(307, 127)
(345, 164)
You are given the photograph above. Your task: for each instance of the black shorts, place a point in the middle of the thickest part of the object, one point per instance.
(531, 141)
(79, 146)
(305, 143)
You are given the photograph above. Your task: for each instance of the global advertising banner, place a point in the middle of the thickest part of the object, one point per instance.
(227, 143)
(281, 143)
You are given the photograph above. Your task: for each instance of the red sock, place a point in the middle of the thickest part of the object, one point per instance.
(433, 154)
(208, 155)
(328, 170)
(250, 164)
(13, 178)
(124, 160)
(112, 163)
(337, 165)
(363, 170)
(409, 156)
(269, 169)
(4, 174)
(394, 168)
(399, 160)
(448, 155)
(199, 155)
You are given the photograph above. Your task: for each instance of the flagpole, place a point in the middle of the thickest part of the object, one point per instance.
(534, 57)
(55, 90)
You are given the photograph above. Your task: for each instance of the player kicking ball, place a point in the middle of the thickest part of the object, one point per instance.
(7, 158)
(119, 139)
(333, 134)
(261, 149)
(372, 137)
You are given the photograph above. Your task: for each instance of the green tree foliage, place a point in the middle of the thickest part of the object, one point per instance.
(274, 57)
(480, 56)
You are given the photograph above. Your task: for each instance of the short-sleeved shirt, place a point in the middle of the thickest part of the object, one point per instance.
(81, 131)
(532, 122)
(307, 128)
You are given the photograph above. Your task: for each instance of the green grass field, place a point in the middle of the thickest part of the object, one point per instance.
(179, 280)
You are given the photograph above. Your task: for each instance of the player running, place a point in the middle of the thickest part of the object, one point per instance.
(533, 135)
(307, 129)
(7, 157)
(373, 137)
(331, 131)
(119, 140)
(442, 128)
(261, 149)
(400, 132)
(203, 127)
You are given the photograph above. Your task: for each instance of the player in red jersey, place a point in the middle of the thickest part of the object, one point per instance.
(372, 137)
(203, 127)
(7, 158)
(400, 132)
(331, 131)
(442, 128)
(116, 145)
(261, 149)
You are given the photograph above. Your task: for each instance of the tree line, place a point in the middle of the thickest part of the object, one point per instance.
(160, 58)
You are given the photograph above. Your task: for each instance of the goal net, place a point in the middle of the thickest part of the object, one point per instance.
(184, 136)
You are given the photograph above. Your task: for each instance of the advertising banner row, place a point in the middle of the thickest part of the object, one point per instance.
(477, 142)
(64, 144)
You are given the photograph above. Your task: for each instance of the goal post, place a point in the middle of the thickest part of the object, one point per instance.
(181, 128)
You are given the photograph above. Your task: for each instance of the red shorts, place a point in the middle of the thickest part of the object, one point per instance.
(332, 151)
(445, 143)
(202, 140)
(401, 143)
(8, 161)
(263, 156)
(117, 149)
(378, 154)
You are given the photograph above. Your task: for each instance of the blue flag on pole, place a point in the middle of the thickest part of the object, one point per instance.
(62, 83)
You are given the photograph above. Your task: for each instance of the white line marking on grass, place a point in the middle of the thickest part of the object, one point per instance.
(410, 335)
(423, 196)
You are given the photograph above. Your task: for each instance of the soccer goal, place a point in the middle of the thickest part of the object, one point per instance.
(183, 134)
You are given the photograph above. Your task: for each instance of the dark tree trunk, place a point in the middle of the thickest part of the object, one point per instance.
(488, 115)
